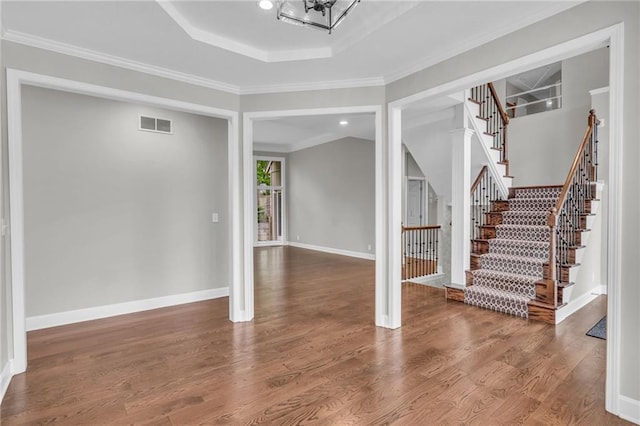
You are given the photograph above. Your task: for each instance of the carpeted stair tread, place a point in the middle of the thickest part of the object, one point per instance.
(523, 232)
(532, 204)
(505, 275)
(537, 249)
(516, 264)
(525, 217)
(523, 285)
(544, 192)
(497, 300)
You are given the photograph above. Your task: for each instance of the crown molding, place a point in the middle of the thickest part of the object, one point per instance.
(317, 85)
(92, 55)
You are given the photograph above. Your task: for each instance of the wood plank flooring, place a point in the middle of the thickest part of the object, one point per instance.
(312, 355)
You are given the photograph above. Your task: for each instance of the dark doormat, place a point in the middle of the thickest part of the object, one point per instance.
(599, 330)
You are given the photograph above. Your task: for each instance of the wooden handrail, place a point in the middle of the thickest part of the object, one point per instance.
(419, 228)
(483, 170)
(591, 121)
(496, 99)
(565, 218)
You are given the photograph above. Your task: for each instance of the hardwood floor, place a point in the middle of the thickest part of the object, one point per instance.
(313, 355)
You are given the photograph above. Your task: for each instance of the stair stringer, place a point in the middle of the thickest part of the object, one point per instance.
(479, 126)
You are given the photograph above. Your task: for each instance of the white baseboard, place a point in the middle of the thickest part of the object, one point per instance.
(577, 304)
(629, 409)
(429, 280)
(98, 312)
(603, 289)
(357, 254)
(5, 378)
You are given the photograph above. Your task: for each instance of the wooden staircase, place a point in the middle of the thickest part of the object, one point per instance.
(525, 250)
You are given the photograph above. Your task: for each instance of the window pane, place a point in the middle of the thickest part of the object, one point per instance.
(269, 215)
(268, 173)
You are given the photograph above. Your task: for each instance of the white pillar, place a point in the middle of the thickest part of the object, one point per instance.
(389, 302)
(460, 204)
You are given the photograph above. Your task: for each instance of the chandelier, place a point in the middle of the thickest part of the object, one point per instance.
(320, 14)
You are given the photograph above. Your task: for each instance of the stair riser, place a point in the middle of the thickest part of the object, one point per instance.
(565, 274)
(545, 291)
(454, 294)
(500, 206)
(538, 313)
(493, 218)
(475, 263)
(487, 232)
(469, 277)
(479, 247)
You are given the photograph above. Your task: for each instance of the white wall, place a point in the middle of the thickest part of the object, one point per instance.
(600, 102)
(412, 169)
(331, 195)
(114, 214)
(542, 146)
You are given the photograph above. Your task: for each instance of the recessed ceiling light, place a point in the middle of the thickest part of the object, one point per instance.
(265, 4)
(343, 122)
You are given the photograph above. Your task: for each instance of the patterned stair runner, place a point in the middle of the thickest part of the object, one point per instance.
(506, 279)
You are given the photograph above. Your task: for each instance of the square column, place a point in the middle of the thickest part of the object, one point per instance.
(460, 204)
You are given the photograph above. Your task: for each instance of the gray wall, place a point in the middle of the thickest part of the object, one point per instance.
(542, 146)
(331, 195)
(114, 214)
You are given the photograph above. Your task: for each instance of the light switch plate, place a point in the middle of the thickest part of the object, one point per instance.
(214, 217)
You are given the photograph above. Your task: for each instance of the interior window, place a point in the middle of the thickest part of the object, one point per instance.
(534, 91)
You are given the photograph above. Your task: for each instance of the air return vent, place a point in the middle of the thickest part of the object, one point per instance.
(151, 124)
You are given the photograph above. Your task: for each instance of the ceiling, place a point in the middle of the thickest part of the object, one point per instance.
(287, 134)
(238, 47)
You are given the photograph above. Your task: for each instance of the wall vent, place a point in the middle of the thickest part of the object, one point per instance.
(151, 124)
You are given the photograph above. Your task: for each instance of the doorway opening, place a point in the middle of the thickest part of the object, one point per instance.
(15, 81)
(270, 201)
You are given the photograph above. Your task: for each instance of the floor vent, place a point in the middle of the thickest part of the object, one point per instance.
(151, 124)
